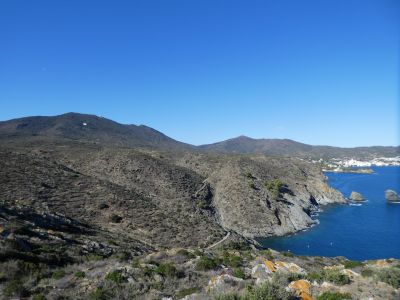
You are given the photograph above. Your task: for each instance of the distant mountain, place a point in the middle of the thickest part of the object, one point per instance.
(93, 129)
(87, 128)
(286, 147)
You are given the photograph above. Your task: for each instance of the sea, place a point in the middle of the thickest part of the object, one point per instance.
(369, 230)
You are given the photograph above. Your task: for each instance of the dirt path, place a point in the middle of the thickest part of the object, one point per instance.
(219, 242)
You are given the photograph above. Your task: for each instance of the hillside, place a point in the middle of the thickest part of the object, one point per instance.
(285, 147)
(81, 193)
(85, 129)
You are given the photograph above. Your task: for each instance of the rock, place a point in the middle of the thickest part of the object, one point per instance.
(302, 288)
(289, 267)
(354, 196)
(224, 283)
(392, 196)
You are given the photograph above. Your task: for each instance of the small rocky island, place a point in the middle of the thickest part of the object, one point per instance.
(355, 196)
(392, 196)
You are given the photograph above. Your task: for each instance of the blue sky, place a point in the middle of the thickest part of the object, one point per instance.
(319, 72)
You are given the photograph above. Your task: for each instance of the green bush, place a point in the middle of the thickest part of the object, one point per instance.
(274, 186)
(206, 263)
(58, 274)
(334, 276)
(185, 292)
(267, 291)
(239, 273)
(15, 288)
(287, 254)
(252, 185)
(391, 276)
(231, 296)
(349, 264)
(367, 272)
(249, 175)
(80, 274)
(101, 294)
(334, 296)
(39, 297)
(167, 270)
(186, 253)
(230, 260)
(115, 276)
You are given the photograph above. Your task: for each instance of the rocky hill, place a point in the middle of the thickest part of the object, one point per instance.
(285, 147)
(81, 194)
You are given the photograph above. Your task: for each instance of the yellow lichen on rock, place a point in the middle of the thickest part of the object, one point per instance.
(302, 288)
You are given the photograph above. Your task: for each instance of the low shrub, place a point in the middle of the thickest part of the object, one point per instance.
(367, 272)
(167, 270)
(101, 294)
(80, 274)
(334, 276)
(349, 264)
(186, 253)
(39, 297)
(239, 273)
(58, 274)
(186, 292)
(115, 276)
(273, 290)
(230, 260)
(334, 296)
(206, 263)
(115, 218)
(15, 288)
(390, 275)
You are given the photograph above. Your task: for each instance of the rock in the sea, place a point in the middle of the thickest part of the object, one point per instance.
(392, 196)
(354, 196)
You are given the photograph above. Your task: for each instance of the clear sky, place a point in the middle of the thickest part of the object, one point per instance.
(201, 71)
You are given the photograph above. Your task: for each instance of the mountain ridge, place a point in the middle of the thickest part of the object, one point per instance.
(103, 131)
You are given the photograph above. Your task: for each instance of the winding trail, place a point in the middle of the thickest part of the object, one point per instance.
(219, 242)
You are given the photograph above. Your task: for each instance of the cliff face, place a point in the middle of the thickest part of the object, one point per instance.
(247, 201)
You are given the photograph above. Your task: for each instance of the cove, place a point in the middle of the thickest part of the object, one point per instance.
(367, 231)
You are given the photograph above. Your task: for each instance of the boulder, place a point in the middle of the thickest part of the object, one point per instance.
(224, 283)
(302, 288)
(392, 196)
(354, 196)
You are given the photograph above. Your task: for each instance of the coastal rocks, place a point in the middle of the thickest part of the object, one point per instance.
(392, 196)
(355, 196)
(264, 268)
(302, 288)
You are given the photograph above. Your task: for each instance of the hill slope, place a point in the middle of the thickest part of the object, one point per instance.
(87, 128)
(285, 147)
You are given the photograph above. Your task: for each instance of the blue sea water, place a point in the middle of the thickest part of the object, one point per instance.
(368, 231)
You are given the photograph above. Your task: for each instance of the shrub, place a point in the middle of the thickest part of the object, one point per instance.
(80, 274)
(58, 274)
(15, 288)
(249, 175)
(185, 292)
(333, 296)
(167, 270)
(334, 276)
(349, 264)
(231, 296)
(252, 185)
(115, 218)
(239, 273)
(268, 291)
(101, 294)
(391, 276)
(367, 273)
(206, 263)
(115, 276)
(287, 254)
(274, 186)
(39, 297)
(231, 260)
(185, 253)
